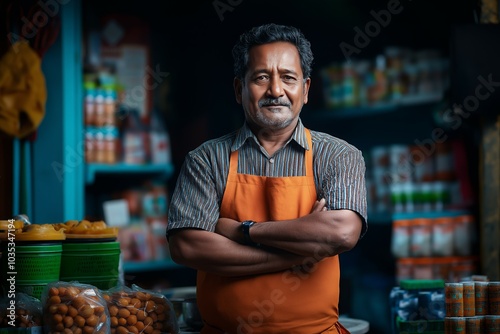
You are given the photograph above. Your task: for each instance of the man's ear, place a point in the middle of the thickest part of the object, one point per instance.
(238, 88)
(307, 85)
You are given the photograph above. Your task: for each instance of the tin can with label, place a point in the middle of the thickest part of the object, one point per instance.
(481, 298)
(454, 299)
(469, 299)
(494, 298)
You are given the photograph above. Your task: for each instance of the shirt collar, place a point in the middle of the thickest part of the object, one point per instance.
(245, 133)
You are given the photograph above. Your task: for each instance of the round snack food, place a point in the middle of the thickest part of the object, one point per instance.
(138, 312)
(74, 308)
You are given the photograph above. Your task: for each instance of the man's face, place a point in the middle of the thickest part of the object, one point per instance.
(274, 90)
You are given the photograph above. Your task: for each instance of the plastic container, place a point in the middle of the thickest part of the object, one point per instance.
(91, 262)
(32, 258)
(401, 234)
(421, 237)
(34, 267)
(442, 236)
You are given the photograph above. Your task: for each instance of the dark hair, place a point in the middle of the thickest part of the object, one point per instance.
(269, 33)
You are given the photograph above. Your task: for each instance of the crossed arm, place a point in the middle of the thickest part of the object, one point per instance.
(285, 244)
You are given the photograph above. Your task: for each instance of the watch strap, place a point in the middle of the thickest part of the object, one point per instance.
(245, 227)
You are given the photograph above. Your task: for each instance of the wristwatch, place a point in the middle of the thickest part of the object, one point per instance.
(245, 227)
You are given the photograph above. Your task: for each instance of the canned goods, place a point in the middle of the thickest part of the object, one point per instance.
(494, 298)
(454, 325)
(454, 300)
(481, 297)
(469, 299)
(474, 325)
(492, 323)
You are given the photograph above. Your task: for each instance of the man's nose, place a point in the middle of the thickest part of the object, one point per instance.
(275, 88)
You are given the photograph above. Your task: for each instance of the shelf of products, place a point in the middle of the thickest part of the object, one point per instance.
(163, 171)
(405, 104)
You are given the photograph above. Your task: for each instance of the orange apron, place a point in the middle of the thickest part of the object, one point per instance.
(290, 301)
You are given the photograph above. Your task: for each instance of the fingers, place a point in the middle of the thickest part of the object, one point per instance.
(319, 205)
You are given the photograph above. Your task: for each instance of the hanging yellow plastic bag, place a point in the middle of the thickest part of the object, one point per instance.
(23, 93)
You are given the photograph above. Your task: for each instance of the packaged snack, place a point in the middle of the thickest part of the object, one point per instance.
(24, 311)
(72, 307)
(136, 310)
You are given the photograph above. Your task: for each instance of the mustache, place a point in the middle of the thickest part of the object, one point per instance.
(274, 102)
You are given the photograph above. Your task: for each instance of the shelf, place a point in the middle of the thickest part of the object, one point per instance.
(165, 170)
(380, 108)
(381, 218)
(149, 265)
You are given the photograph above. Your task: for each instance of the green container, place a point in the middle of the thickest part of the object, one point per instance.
(94, 263)
(31, 267)
(34, 263)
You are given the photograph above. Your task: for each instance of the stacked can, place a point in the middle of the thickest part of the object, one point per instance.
(472, 307)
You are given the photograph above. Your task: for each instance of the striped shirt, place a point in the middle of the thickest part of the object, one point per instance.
(339, 174)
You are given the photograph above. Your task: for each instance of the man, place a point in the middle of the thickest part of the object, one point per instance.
(262, 213)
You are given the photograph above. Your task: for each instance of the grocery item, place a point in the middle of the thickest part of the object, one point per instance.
(90, 254)
(454, 300)
(481, 298)
(74, 307)
(136, 310)
(32, 255)
(25, 313)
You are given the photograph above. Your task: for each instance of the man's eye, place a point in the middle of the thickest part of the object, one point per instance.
(288, 78)
(261, 77)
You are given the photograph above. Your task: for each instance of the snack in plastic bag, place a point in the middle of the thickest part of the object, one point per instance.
(25, 313)
(135, 310)
(72, 307)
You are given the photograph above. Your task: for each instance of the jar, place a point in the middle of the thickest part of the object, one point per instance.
(404, 268)
(400, 242)
(442, 236)
(109, 107)
(99, 145)
(110, 145)
(423, 268)
(89, 106)
(463, 234)
(444, 162)
(90, 151)
(99, 117)
(421, 237)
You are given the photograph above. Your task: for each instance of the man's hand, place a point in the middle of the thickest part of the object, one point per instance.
(319, 206)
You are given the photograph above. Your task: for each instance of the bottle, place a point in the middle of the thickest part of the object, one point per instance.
(378, 92)
(159, 141)
(133, 139)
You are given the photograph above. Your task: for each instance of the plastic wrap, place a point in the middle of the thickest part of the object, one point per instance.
(24, 311)
(136, 310)
(72, 307)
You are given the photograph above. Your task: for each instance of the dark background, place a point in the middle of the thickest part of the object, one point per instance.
(191, 42)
